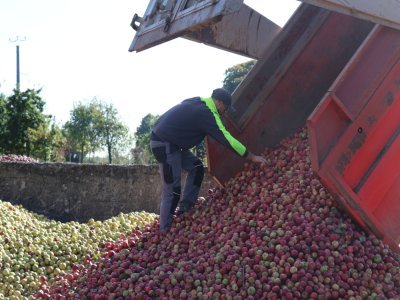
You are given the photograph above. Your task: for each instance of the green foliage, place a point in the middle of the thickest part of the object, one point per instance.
(235, 75)
(80, 129)
(93, 126)
(114, 135)
(141, 153)
(48, 142)
(26, 130)
(22, 113)
(200, 151)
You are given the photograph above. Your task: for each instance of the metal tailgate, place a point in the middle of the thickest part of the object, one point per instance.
(355, 136)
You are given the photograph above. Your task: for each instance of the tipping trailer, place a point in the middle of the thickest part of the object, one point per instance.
(334, 66)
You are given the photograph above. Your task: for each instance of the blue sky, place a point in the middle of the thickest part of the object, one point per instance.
(77, 50)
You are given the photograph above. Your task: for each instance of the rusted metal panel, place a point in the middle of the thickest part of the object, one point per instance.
(245, 32)
(228, 25)
(385, 12)
(285, 86)
(355, 136)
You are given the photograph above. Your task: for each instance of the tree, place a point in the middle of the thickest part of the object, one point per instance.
(113, 133)
(48, 142)
(142, 152)
(24, 112)
(93, 126)
(81, 131)
(235, 75)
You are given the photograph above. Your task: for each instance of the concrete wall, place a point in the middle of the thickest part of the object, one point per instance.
(82, 191)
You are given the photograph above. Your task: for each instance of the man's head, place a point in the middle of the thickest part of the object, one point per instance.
(222, 99)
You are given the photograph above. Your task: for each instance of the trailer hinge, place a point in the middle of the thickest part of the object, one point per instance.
(136, 19)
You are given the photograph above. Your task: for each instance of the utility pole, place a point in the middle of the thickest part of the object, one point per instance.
(17, 40)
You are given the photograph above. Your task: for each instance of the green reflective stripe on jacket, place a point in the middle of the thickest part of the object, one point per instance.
(235, 144)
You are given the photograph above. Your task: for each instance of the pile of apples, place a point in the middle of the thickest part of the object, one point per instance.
(273, 232)
(17, 158)
(35, 249)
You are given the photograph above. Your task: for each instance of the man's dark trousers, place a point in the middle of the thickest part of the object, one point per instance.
(171, 161)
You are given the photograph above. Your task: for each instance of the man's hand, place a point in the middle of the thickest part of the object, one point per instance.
(256, 158)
